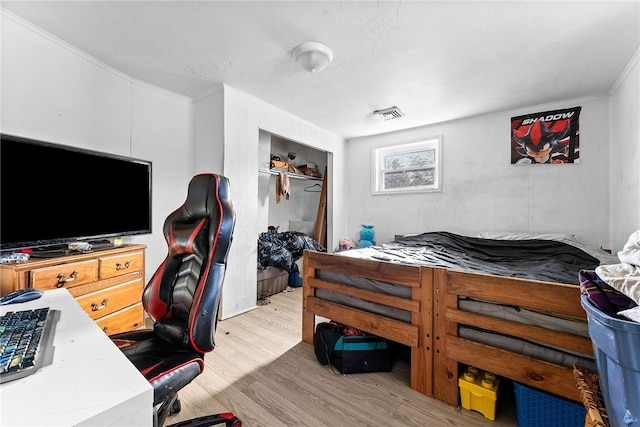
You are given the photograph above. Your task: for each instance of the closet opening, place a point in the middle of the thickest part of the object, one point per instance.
(293, 195)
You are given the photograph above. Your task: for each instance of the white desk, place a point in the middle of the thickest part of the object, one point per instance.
(90, 381)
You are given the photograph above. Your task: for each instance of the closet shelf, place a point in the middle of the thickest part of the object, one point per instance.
(291, 175)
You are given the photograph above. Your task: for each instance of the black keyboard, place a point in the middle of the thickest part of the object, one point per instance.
(26, 342)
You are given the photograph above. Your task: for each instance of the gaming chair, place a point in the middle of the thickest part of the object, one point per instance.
(182, 298)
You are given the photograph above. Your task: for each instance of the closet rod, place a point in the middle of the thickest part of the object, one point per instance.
(290, 175)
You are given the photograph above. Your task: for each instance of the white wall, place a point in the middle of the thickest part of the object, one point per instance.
(209, 133)
(244, 118)
(162, 132)
(481, 190)
(625, 155)
(53, 92)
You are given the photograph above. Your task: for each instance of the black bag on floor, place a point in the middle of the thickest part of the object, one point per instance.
(359, 354)
(350, 350)
(324, 340)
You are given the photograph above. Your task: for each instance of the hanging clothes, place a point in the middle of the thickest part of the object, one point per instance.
(283, 186)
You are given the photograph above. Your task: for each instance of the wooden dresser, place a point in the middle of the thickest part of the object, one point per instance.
(107, 283)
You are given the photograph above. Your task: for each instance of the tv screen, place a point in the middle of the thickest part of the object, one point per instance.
(51, 194)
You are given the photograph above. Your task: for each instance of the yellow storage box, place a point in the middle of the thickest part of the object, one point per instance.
(479, 391)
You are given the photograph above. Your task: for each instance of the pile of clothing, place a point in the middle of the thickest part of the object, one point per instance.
(282, 250)
(615, 288)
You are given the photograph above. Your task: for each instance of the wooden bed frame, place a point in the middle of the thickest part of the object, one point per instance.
(436, 349)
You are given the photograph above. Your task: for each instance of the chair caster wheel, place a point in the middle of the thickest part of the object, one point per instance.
(176, 407)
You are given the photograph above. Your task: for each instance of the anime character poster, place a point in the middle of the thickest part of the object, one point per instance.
(546, 137)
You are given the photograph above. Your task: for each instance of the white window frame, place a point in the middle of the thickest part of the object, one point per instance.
(379, 171)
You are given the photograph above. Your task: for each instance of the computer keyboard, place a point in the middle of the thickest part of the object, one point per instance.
(26, 342)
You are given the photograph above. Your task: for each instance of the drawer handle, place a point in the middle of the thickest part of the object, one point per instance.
(62, 281)
(123, 267)
(96, 307)
(105, 329)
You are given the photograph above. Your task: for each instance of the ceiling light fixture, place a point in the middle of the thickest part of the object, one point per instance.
(313, 56)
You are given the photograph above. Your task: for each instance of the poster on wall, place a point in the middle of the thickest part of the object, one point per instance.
(546, 137)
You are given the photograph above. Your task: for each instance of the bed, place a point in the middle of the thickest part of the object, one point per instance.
(508, 304)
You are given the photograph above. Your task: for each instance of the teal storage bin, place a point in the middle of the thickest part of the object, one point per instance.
(616, 344)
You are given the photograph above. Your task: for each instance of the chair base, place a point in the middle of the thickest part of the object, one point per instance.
(227, 418)
(172, 405)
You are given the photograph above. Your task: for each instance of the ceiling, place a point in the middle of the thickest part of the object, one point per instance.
(435, 60)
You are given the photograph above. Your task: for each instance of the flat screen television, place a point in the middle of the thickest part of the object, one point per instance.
(52, 194)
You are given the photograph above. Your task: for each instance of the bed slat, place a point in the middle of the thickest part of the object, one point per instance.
(402, 303)
(401, 274)
(543, 296)
(395, 330)
(528, 332)
(536, 373)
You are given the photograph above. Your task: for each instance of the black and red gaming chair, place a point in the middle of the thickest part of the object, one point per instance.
(182, 298)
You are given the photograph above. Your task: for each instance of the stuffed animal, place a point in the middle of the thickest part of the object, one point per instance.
(344, 244)
(366, 236)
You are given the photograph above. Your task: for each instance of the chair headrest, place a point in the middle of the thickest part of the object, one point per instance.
(201, 200)
(188, 228)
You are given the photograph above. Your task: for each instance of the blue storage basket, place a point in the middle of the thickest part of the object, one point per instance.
(539, 409)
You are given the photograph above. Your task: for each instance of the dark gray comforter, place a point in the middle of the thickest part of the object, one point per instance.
(545, 260)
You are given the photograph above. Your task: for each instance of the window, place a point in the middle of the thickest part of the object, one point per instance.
(408, 168)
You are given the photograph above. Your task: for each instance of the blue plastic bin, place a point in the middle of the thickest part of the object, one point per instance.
(536, 408)
(616, 344)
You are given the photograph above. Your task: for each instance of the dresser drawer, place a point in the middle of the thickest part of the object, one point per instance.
(110, 300)
(116, 265)
(124, 320)
(64, 275)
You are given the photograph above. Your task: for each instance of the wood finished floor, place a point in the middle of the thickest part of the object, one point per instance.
(263, 373)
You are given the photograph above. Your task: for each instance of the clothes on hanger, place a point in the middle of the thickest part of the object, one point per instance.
(283, 186)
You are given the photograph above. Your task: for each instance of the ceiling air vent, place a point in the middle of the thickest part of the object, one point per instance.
(389, 113)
